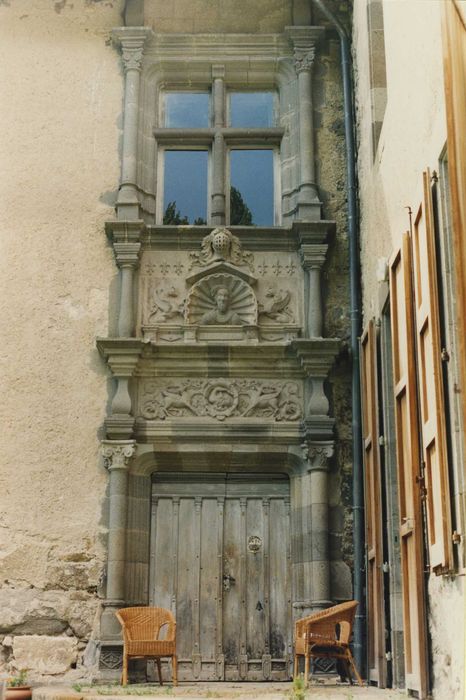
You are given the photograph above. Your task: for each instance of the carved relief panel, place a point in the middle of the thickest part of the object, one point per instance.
(220, 292)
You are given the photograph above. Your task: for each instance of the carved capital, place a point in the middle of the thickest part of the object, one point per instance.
(304, 58)
(117, 453)
(318, 454)
(131, 40)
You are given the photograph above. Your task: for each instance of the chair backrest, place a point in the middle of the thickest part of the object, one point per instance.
(145, 623)
(332, 623)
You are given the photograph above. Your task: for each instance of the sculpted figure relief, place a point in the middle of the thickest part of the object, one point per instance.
(222, 314)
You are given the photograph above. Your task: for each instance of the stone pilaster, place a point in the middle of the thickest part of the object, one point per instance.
(304, 41)
(132, 41)
(312, 259)
(126, 239)
(310, 526)
(117, 455)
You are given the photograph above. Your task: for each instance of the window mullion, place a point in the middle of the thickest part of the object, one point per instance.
(218, 161)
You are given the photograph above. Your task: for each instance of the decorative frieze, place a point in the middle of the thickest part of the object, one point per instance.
(220, 399)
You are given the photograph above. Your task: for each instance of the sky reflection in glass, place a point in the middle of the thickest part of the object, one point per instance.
(185, 182)
(186, 110)
(253, 109)
(252, 175)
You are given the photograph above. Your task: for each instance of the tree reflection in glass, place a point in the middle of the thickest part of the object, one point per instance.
(251, 188)
(185, 187)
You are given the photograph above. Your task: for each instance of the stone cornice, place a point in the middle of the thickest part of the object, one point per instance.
(253, 238)
(316, 355)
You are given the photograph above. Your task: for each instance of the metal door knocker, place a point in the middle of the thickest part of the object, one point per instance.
(254, 544)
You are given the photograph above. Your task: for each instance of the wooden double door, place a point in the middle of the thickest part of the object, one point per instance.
(221, 561)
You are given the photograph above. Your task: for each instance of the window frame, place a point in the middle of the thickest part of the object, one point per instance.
(203, 138)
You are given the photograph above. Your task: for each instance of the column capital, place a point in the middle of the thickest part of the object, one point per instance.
(312, 255)
(318, 454)
(304, 41)
(131, 40)
(117, 453)
(303, 59)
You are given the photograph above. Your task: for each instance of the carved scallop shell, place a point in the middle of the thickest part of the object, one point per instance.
(242, 302)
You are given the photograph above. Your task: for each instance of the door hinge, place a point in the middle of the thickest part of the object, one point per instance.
(445, 355)
(388, 656)
(382, 440)
(456, 537)
(420, 480)
(385, 567)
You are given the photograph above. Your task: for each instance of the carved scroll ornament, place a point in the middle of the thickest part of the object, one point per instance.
(223, 398)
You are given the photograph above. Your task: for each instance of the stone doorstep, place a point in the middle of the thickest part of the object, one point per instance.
(228, 691)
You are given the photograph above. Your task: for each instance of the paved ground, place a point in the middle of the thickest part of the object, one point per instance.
(221, 691)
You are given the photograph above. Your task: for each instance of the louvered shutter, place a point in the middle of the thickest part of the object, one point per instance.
(408, 470)
(430, 383)
(377, 665)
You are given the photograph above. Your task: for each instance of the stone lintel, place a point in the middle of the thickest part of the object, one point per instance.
(316, 355)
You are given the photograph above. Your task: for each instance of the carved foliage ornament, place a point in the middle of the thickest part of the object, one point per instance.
(221, 398)
(304, 59)
(221, 244)
(132, 58)
(117, 456)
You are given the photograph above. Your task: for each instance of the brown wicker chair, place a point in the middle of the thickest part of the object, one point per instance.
(326, 634)
(141, 632)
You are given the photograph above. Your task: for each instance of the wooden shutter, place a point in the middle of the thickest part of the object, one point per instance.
(430, 382)
(454, 49)
(377, 665)
(409, 470)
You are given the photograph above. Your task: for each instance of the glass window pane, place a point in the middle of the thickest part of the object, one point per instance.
(186, 109)
(251, 109)
(185, 187)
(251, 191)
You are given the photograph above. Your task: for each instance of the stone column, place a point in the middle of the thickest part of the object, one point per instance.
(126, 237)
(304, 40)
(116, 454)
(132, 40)
(310, 531)
(312, 258)
(218, 180)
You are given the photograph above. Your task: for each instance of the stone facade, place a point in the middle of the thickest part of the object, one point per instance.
(190, 378)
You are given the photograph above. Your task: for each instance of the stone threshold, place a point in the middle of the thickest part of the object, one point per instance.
(220, 691)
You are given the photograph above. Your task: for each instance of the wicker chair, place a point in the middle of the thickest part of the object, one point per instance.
(141, 632)
(326, 634)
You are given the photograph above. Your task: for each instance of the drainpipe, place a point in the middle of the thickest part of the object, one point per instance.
(355, 316)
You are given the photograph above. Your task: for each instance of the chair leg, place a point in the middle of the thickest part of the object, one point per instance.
(124, 675)
(174, 670)
(306, 670)
(159, 669)
(355, 670)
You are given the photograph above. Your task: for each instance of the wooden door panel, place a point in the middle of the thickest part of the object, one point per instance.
(231, 600)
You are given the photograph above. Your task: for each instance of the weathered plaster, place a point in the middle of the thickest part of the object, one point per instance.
(61, 92)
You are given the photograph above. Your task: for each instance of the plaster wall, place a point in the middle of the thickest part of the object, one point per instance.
(413, 131)
(412, 138)
(61, 93)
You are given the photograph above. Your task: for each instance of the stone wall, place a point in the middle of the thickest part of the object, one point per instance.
(62, 94)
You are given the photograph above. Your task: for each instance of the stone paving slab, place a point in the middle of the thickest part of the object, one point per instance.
(220, 691)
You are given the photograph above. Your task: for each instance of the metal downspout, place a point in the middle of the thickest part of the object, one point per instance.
(355, 317)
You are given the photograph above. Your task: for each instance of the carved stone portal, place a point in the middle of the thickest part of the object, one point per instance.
(221, 299)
